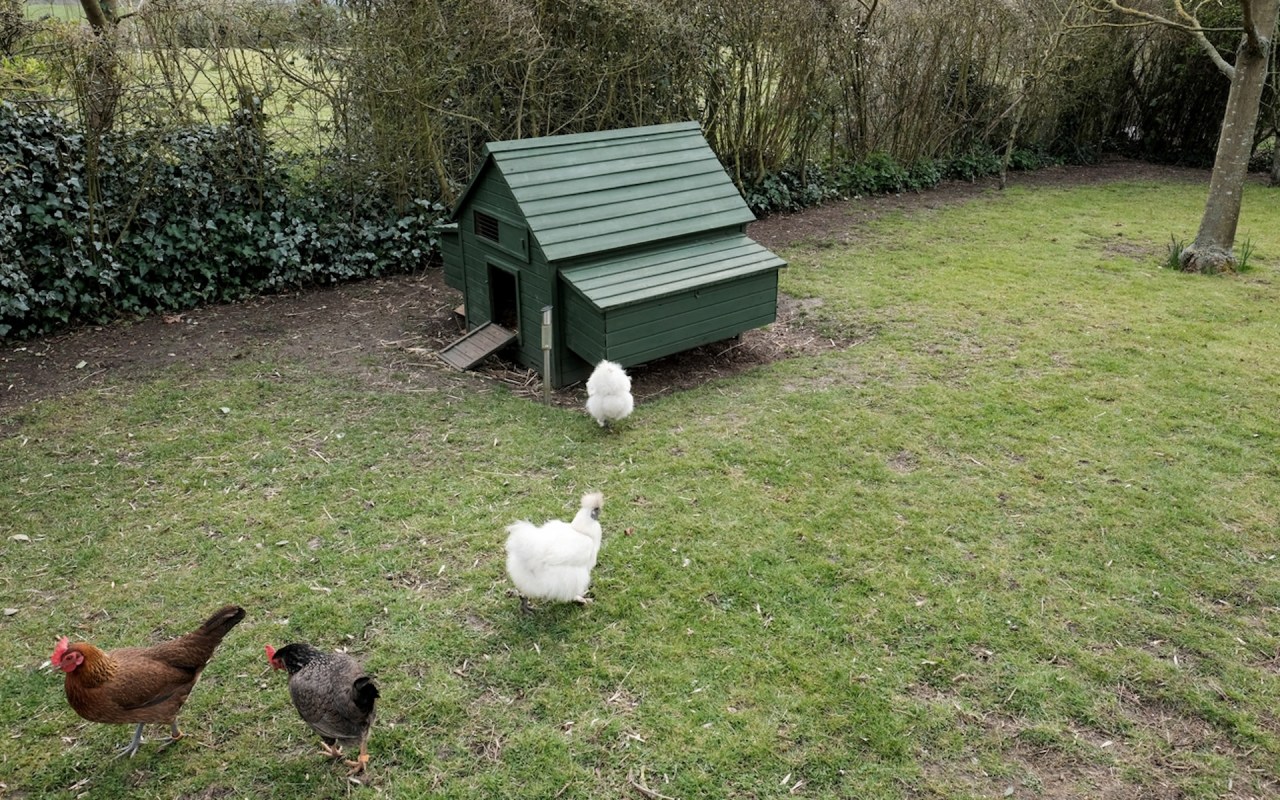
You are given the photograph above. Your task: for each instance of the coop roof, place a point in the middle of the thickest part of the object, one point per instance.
(594, 192)
(659, 270)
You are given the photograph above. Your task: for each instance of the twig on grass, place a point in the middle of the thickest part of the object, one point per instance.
(645, 790)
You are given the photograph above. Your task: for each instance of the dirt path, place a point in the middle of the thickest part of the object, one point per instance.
(386, 331)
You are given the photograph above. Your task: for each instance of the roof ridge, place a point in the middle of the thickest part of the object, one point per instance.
(591, 136)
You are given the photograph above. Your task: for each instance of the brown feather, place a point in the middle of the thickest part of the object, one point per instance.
(144, 684)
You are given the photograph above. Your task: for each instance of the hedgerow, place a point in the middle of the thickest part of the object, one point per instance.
(794, 189)
(165, 220)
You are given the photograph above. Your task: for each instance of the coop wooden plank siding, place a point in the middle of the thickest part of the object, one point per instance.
(636, 238)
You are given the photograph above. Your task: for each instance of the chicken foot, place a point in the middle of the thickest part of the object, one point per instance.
(333, 751)
(174, 733)
(360, 763)
(131, 749)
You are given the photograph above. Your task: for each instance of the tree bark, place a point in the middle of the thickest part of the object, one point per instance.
(101, 88)
(96, 14)
(1211, 252)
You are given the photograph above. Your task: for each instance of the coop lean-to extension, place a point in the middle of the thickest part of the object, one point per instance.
(635, 238)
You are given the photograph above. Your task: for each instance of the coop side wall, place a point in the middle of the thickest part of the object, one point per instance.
(451, 254)
(516, 252)
(646, 331)
(581, 340)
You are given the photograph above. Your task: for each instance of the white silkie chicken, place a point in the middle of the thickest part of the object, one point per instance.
(553, 561)
(609, 393)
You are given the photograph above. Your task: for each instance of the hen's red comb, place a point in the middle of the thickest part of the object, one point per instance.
(58, 651)
(271, 653)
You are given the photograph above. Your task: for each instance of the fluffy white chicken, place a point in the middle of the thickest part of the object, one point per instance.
(553, 561)
(609, 393)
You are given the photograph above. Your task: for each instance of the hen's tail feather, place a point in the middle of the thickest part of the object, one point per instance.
(193, 651)
(518, 533)
(364, 692)
(223, 620)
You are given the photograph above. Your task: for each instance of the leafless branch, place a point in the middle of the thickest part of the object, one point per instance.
(1190, 24)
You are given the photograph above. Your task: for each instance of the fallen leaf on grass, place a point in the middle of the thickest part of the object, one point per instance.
(19, 537)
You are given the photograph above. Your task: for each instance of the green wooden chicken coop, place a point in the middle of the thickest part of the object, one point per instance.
(634, 239)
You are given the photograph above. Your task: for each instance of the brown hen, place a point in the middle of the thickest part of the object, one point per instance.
(140, 684)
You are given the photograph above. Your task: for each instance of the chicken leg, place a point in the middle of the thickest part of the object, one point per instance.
(174, 733)
(131, 749)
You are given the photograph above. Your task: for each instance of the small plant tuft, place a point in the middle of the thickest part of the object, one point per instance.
(1173, 256)
(1244, 254)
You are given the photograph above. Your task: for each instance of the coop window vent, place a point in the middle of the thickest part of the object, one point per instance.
(486, 226)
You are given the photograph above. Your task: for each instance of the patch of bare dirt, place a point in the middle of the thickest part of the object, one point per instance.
(1090, 765)
(1182, 741)
(386, 331)
(1153, 755)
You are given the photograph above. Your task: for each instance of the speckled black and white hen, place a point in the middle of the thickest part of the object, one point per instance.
(332, 695)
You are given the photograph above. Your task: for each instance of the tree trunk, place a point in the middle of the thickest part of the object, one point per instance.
(96, 14)
(1014, 130)
(1275, 114)
(101, 87)
(1211, 252)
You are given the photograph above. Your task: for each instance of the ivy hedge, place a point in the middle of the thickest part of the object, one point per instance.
(794, 189)
(161, 221)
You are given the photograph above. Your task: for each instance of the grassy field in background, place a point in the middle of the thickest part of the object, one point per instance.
(56, 10)
(298, 118)
(203, 83)
(1018, 542)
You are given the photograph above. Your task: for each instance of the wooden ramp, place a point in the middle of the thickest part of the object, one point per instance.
(477, 345)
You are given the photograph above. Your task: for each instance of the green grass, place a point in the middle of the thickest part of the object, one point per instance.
(1021, 539)
(298, 117)
(69, 11)
(204, 85)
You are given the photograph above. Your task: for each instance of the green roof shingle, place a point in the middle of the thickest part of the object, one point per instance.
(597, 192)
(614, 280)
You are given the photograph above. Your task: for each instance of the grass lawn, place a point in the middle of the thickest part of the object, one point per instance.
(298, 118)
(56, 10)
(1018, 542)
(204, 85)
